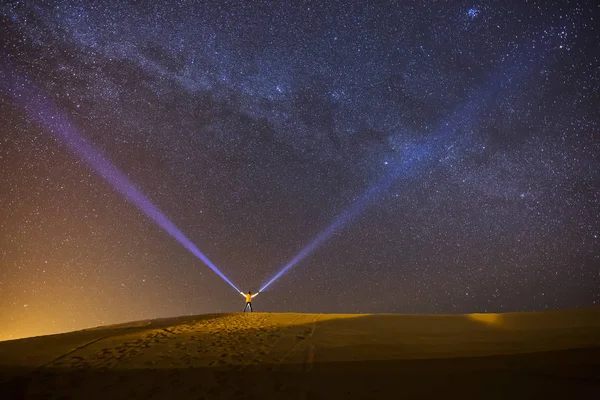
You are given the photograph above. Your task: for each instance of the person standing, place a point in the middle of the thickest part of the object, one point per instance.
(249, 297)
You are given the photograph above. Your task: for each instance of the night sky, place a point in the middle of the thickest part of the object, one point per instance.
(473, 127)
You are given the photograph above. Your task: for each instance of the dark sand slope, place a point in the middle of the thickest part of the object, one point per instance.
(314, 356)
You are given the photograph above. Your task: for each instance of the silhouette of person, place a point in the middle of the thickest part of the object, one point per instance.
(249, 297)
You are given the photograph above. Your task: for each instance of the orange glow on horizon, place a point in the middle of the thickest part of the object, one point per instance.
(488, 319)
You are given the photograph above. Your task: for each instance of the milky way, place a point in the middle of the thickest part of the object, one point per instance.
(456, 141)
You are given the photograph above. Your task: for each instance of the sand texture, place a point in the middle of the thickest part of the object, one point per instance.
(314, 356)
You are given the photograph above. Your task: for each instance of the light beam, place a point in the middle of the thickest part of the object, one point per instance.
(41, 109)
(428, 152)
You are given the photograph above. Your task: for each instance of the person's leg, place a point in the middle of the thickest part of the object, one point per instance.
(245, 307)
(250, 304)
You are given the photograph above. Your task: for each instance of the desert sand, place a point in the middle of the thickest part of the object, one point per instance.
(314, 356)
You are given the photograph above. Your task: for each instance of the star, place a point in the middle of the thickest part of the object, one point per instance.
(473, 13)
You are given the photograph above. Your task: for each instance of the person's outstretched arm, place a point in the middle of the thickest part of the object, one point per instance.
(255, 294)
(242, 293)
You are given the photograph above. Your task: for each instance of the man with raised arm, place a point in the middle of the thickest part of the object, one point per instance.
(249, 297)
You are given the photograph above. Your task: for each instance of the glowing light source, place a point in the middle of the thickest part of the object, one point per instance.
(47, 114)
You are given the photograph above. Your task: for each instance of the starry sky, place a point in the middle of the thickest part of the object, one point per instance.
(445, 154)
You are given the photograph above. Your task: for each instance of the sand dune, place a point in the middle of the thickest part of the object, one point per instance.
(320, 356)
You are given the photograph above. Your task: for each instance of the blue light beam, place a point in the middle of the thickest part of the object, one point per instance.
(413, 156)
(420, 155)
(39, 108)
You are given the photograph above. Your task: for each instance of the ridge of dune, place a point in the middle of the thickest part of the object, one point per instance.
(302, 343)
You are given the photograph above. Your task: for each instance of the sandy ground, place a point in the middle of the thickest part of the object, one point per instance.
(314, 356)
